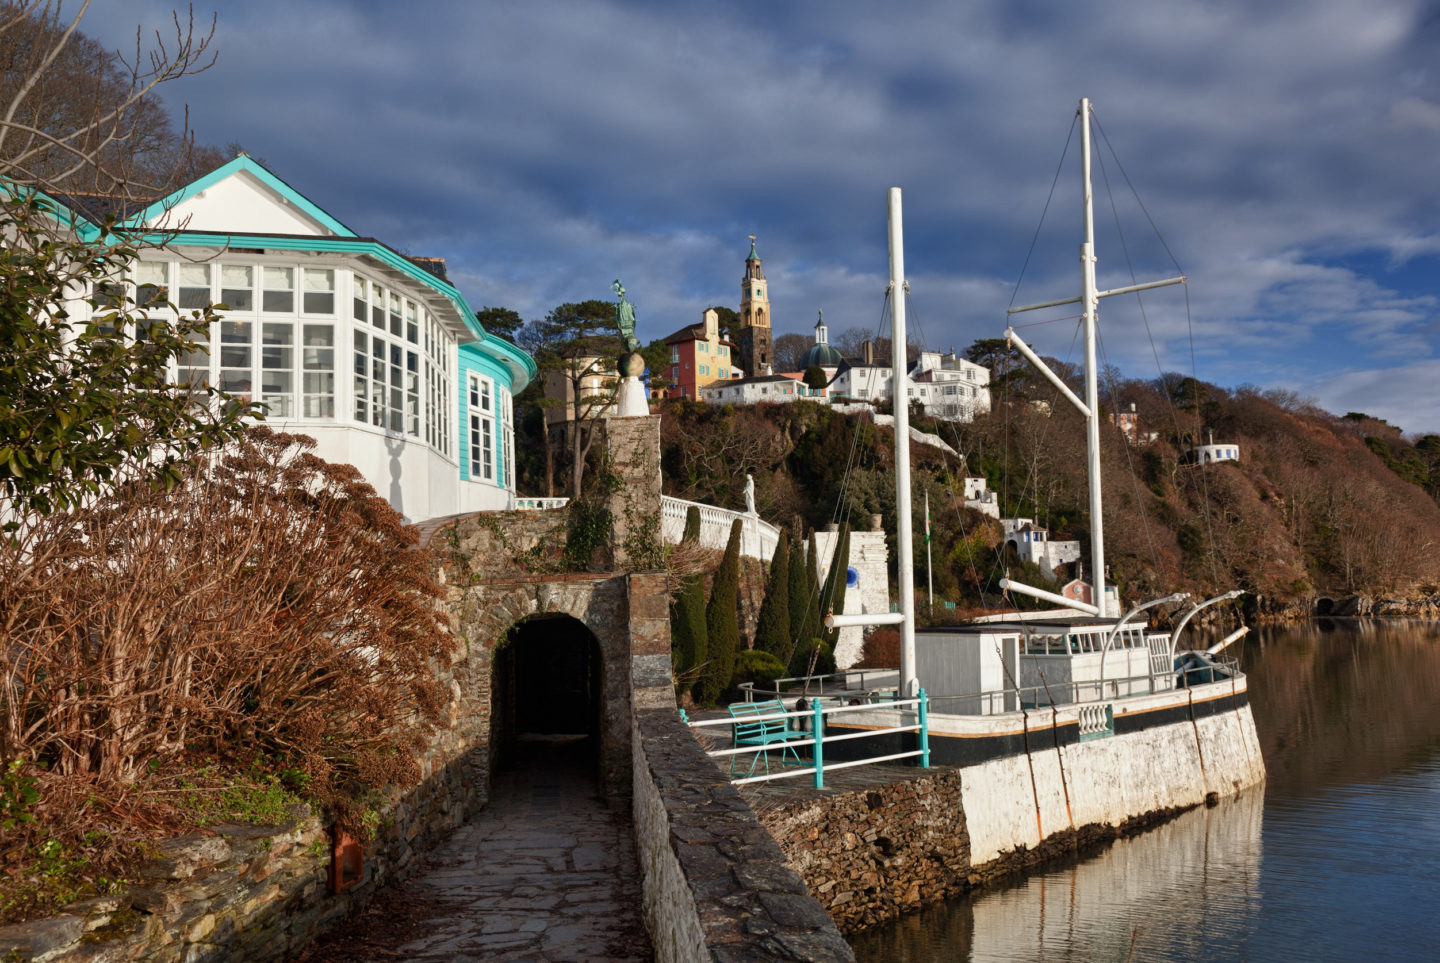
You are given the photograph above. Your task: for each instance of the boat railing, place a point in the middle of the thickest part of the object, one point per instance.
(811, 719)
(1078, 692)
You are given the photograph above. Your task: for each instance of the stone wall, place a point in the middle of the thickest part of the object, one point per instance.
(249, 892)
(872, 855)
(716, 884)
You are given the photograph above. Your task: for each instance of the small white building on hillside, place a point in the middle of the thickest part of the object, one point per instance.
(373, 353)
(1205, 454)
(1033, 544)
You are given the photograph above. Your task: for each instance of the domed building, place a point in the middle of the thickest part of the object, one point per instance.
(821, 352)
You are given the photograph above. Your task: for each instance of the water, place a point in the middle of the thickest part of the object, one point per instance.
(1337, 859)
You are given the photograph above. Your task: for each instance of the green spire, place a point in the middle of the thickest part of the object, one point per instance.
(753, 256)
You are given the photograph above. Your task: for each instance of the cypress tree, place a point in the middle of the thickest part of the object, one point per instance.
(722, 621)
(797, 597)
(687, 610)
(814, 624)
(839, 571)
(772, 632)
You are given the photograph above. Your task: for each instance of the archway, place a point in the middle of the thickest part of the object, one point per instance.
(547, 689)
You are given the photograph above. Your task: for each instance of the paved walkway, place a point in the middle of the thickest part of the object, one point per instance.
(547, 871)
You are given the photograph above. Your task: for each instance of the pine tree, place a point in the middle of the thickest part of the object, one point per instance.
(839, 572)
(772, 632)
(688, 641)
(722, 621)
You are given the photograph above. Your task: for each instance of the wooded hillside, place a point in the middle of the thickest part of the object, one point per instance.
(1316, 503)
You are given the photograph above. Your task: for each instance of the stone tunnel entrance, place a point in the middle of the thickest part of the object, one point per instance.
(547, 687)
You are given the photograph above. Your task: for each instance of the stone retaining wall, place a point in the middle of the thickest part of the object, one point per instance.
(872, 855)
(248, 892)
(716, 884)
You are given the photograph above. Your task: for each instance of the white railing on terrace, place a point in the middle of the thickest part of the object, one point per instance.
(540, 504)
(758, 537)
(812, 720)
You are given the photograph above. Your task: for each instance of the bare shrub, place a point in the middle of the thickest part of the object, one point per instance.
(270, 611)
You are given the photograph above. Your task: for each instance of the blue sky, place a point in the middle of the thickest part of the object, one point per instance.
(1287, 151)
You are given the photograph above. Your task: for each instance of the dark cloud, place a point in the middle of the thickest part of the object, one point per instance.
(1285, 150)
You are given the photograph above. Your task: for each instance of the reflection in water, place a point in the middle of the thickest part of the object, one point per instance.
(1342, 862)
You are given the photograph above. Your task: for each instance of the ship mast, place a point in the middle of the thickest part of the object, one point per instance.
(1089, 300)
(900, 392)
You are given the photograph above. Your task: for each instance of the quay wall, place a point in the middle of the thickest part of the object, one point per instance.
(872, 855)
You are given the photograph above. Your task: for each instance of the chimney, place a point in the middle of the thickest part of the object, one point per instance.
(867, 351)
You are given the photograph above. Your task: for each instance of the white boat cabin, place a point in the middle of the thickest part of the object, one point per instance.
(993, 667)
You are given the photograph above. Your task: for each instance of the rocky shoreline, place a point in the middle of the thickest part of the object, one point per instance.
(1262, 610)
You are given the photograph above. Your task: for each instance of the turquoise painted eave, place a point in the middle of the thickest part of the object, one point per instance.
(521, 366)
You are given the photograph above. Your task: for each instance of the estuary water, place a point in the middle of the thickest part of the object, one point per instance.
(1338, 858)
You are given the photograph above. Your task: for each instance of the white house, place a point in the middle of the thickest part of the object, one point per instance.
(948, 386)
(767, 388)
(373, 353)
(1033, 544)
(1205, 454)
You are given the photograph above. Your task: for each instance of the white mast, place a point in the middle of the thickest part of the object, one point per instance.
(1090, 303)
(899, 383)
(1089, 300)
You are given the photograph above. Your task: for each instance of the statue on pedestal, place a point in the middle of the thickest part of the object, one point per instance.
(631, 364)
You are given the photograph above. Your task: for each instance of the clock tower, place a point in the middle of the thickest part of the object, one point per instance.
(755, 340)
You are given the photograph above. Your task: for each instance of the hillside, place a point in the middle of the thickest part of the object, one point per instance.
(1316, 503)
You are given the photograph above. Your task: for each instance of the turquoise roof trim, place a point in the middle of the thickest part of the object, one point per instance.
(250, 166)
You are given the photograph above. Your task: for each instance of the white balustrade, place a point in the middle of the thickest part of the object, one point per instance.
(758, 537)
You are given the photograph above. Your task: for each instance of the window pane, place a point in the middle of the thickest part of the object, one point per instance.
(194, 286)
(395, 324)
(412, 326)
(319, 291)
(151, 283)
(279, 289)
(359, 299)
(377, 306)
(276, 352)
(237, 286)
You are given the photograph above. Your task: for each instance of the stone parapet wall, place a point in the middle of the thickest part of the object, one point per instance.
(716, 883)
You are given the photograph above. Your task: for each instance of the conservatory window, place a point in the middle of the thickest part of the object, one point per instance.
(279, 293)
(358, 300)
(482, 430)
(412, 326)
(395, 325)
(237, 287)
(319, 291)
(277, 368)
(194, 286)
(236, 354)
(318, 375)
(152, 286)
(377, 306)
(507, 427)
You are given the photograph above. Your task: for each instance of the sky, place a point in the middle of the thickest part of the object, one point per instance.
(1282, 155)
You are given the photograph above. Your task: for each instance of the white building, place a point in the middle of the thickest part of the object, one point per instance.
(948, 386)
(1205, 454)
(1033, 544)
(763, 388)
(374, 354)
(979, 497)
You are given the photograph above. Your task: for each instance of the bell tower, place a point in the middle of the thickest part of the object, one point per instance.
(755, 349)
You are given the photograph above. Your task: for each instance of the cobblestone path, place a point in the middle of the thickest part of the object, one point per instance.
(547, 871)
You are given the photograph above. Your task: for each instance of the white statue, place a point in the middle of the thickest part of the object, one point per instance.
(749, 494)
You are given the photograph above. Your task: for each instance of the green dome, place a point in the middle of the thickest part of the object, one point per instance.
(821, 354)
